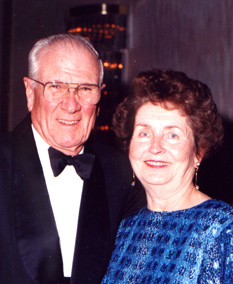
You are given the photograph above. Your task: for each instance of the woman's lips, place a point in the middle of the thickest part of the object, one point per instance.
(159, 164)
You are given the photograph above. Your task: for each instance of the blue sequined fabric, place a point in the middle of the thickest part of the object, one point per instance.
(188, 246)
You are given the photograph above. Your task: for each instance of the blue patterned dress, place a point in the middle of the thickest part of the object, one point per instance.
(188, 246)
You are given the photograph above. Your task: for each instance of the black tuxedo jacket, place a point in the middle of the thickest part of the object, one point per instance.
(29, 242)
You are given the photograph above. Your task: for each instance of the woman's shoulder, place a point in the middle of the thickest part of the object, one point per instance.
(208, 214)
(213, 210)
(216, 216)
(136, 216)
(217, 208)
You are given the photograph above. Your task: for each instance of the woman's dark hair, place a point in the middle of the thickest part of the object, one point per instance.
(172, 90)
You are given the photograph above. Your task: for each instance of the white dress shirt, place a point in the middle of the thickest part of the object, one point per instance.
(65, 193)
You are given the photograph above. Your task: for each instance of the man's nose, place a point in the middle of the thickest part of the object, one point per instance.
(70, 102)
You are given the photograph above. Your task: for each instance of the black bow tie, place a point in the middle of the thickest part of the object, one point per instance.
(82, 163)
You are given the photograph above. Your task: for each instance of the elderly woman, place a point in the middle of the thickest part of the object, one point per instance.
(168, 125)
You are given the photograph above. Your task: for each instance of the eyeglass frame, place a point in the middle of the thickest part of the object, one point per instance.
(69, 87)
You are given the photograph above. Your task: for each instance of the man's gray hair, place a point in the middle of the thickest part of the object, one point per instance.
(63, 39)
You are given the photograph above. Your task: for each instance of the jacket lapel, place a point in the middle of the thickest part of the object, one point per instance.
(36, 233)
(91, 254)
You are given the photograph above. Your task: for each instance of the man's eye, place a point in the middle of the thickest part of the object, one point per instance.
(54, 86)
(85, 88)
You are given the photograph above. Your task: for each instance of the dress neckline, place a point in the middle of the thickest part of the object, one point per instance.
(204, 203)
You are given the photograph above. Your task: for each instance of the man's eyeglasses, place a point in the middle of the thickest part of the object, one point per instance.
(87, 94)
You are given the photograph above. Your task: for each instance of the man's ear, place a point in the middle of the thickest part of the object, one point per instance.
(29, 93)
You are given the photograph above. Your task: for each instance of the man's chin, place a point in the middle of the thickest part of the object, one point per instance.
(68, 148)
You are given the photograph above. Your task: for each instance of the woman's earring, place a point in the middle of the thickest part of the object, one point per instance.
(133, 181)
(196, 171)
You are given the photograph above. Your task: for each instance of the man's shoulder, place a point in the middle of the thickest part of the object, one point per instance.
(6, 140)
(108, 154)
(22, 129)
(103, 148)
(115, 164)
(20, 136)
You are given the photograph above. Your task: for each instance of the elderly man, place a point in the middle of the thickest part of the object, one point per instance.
(61, 197)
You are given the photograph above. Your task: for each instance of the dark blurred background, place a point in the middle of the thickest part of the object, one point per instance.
(131, 35)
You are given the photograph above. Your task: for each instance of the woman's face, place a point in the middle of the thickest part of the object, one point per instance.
(162, 150)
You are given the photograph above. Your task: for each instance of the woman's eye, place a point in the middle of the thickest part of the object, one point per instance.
(144, 134)
(173, 136)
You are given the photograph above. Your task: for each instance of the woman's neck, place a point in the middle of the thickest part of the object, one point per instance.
(160, 199)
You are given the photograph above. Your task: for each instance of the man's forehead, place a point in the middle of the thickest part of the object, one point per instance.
(67, 51)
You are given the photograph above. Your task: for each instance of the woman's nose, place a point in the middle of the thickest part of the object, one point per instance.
(157, 145)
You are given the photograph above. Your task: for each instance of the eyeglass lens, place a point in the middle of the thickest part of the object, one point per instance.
(86, 93)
